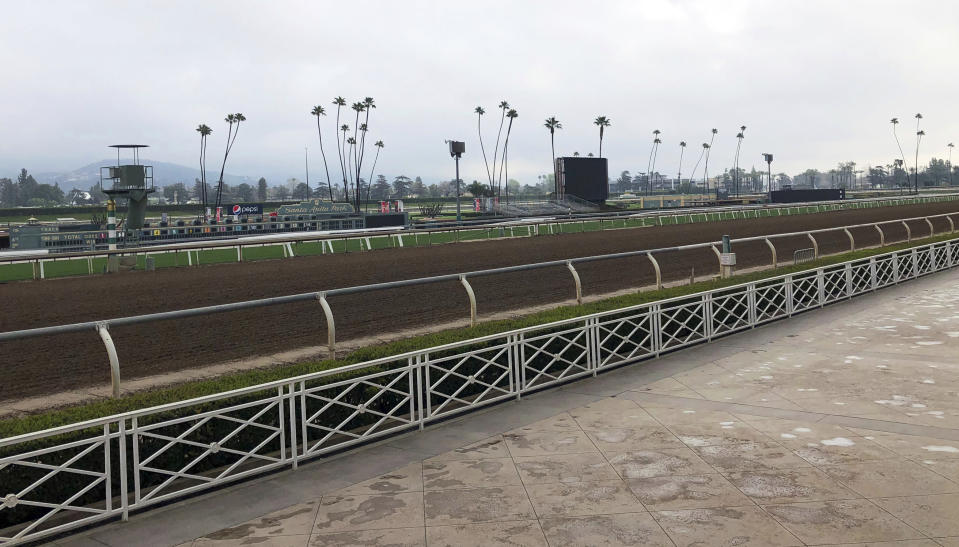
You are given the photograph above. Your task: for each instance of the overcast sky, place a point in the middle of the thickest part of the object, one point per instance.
(815, 82)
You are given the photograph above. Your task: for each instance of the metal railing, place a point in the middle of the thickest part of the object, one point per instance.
(67, 477)
(102, 327)
(530, 227)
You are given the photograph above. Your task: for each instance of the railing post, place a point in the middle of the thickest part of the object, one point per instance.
(895, 267)
(882, 235)
(932, 231)
(849, 288)
(708, 316)
(908, 232)
(520, 360)
(472, 297)
(852, 242)
(788, 284)
(915, 264)
(815, 245)
(330, 325)
(772, 249)
(873, 274)
(104, 332)
(719, 257)
(421, 395)
(579, 286)
(124, 494)
(751, 304)
(239, 253)
(135, 444)
(659, 275)
(821, 286)
(294, 456)
(656, 333)
(952, 225)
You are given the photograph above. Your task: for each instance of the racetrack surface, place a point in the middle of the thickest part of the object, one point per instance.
(59, 363)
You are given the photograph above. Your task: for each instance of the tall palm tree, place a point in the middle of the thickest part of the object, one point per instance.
(740, 135)
(479, 131)
(512, 115)
(919, 135)
(504, 107)
(319, 111)
(340, 102)
(345, 129)
(705, 169)
(679, 175)
(204, 131)
(650, 163)
(706, 164)
(231, 119)
(950, 145)
(368, 105)
(369, 183)
(553, 124)
(895, 122)
(603, 122)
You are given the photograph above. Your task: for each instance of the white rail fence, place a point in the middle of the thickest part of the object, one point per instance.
(63, 478)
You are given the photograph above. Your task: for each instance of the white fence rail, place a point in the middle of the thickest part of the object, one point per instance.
(67, 477)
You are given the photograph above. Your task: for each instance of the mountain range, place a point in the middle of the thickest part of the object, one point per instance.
(164, 174)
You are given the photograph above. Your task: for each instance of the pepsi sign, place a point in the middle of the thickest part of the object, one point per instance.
(246, 209)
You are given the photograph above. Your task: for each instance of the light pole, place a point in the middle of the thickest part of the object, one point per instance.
(949, 163)
(457, 149)
(769, 173)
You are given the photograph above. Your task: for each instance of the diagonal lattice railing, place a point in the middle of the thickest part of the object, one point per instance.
(64, 478)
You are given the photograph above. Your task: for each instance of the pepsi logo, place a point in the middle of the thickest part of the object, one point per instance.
(236, 209)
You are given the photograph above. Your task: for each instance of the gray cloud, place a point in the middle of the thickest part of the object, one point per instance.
(815, 82)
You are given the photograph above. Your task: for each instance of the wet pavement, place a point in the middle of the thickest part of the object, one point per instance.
(838, 427)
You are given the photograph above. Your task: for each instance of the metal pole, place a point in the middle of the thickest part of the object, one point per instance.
(458, 217)
(112, 224)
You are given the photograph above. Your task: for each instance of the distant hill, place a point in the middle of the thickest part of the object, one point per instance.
(164, 174)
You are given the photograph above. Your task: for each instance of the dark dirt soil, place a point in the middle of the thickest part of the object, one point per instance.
(51, 364)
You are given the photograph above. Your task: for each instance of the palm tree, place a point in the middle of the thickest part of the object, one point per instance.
(369, 184)
(504, 107)
(340, 102)
(740, 135)
(345, 129)
(895, 122)
(319, 111)
(919, 135)
(950, 145)
(479, 130)
(603, 122)
(368, 105)
(705, 169)
(706, 164)
(512, 115)
(651, 162)
(552, 124)
(682, 149)
(204, 131)
(230, 119)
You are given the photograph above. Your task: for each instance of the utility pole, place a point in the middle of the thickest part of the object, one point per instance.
(306, 155)
(457, 149)
(769, 173)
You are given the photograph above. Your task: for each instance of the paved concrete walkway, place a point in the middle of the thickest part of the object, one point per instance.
(840, 426)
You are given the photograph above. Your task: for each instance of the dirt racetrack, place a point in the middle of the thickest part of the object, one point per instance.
(51, 364)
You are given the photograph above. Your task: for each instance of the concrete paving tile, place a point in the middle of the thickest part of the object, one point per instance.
(789, 485)
(349, 512)
(887, 478)
(780, 430)
(839, 450)
(948, 542)
(560, 422)
(717, 433)
(936, 516)
(542, 443)
(614, 441)
(946, 468)
(505, 503)
(582, 498)
(685, 414)
(847, 521)
(749, 456)
(489, 534)
(918, 447)
(628, 415)
(564, 468)
(271, 541)
(492, 447)
(408, 478)
(686, 492)
(658, 463)
(394, 537)
(724, 526)
(454, 474)
(296, 520)
(605, 530)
